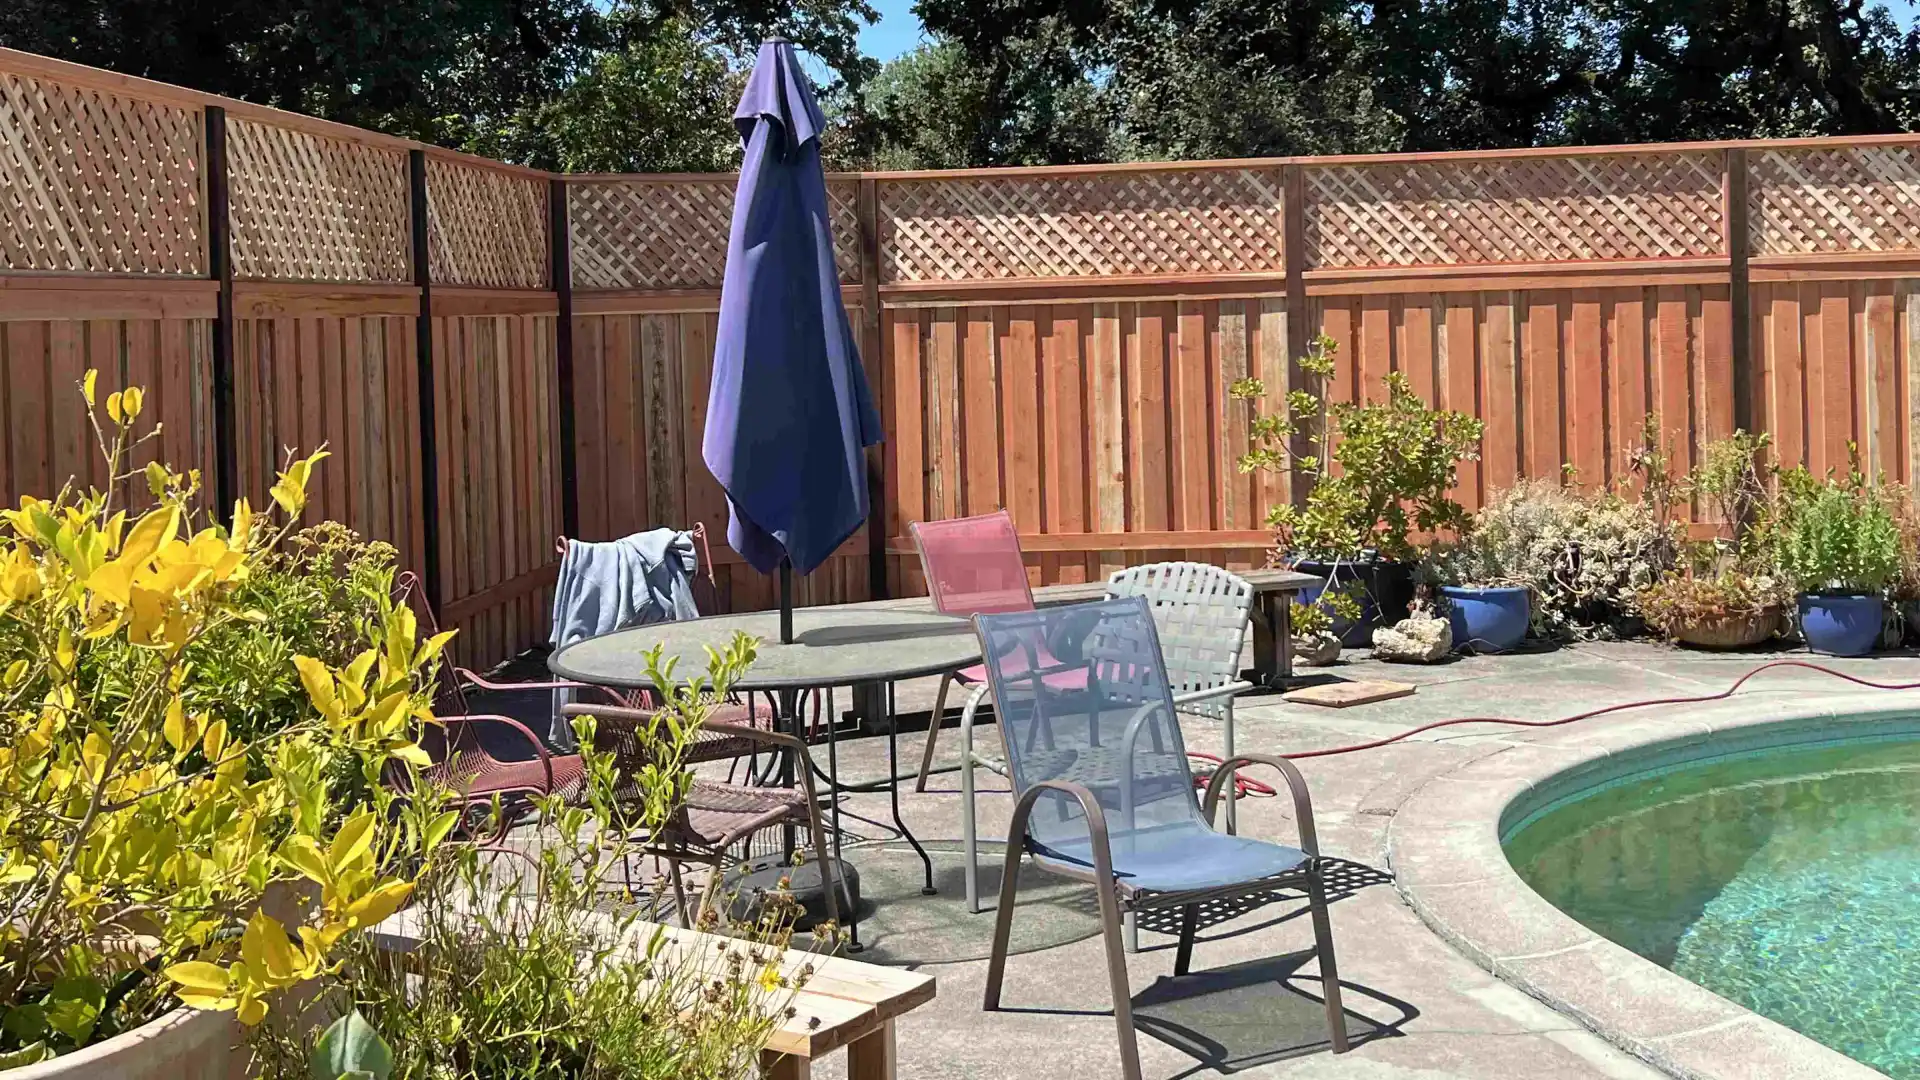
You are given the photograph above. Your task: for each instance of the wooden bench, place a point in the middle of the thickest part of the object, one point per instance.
(844, 1004)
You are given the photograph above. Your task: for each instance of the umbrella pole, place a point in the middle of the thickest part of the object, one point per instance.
(786, 602)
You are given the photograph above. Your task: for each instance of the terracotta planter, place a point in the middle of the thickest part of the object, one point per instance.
(1727, 631)
(185, 1044)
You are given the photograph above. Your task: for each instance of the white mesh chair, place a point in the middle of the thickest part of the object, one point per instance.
(1201, 614)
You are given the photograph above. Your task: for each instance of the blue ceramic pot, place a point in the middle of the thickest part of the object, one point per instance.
(1840, 625)
(1488, 620)
(1386, 589)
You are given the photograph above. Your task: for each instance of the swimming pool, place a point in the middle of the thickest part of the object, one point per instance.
(1785, 878)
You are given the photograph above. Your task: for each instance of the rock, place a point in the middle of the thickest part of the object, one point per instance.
(1421, 639)
(1317, 650)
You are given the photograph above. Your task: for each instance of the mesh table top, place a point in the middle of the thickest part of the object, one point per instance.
(832, 646)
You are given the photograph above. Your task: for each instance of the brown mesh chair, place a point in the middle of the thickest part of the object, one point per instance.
(716, 816)
(463, 762)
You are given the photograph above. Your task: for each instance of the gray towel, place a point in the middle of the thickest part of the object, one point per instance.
(603, 587)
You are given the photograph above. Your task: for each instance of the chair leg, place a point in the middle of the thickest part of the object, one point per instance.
(1329, 972)
(933, 732)
(1002, 924)
(1117, 976)
(970, 834)
(830, 883)
(1131, 926)
(1233, 784)
(680, 893)
(1189, 927)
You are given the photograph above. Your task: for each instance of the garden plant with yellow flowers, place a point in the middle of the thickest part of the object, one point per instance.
(152, 828)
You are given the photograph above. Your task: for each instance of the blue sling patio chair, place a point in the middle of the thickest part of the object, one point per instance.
(1104, 793)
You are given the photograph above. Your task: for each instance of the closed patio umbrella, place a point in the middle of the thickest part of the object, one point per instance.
(790, 414)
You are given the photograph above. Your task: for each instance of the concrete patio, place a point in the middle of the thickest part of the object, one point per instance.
(1429, 1012)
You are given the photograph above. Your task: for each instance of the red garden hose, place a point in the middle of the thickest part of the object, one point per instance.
(1591, 713)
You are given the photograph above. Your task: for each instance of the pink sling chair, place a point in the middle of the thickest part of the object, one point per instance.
(973, 566)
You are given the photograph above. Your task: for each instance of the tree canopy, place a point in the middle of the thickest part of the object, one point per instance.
(649, 85)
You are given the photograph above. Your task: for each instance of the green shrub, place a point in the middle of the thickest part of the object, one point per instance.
(1398, 460)
(318, 595)
(1838, 538)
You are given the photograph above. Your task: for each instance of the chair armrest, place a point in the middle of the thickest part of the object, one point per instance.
(759, 735)
(1205, 693)
(1296, 784)
(472, 679)
(1097, 841)
(539, 748)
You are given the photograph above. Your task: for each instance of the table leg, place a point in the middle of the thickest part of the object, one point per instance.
(874, 1056)
(788, 719)
(893, 792)
(1270, 643)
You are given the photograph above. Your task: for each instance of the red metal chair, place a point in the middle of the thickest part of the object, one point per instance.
(973, 566)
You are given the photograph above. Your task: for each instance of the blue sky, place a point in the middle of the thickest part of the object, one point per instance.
(899, 30)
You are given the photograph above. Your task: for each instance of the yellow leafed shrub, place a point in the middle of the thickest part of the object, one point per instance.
(141, 833)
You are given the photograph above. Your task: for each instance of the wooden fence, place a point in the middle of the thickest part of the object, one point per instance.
(1056, 341)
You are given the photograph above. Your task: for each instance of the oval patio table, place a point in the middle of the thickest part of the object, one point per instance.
(832, 647)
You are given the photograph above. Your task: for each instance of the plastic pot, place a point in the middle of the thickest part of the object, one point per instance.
(1386, 591)
(1840, 625)
(1490, 620)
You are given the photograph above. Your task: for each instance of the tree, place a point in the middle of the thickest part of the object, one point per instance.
(1213, 78)
(628, 84)
(1034, 105)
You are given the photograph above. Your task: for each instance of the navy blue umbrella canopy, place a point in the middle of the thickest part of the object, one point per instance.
(790, 413)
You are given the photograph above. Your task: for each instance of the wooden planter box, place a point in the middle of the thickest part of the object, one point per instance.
(185, 1044)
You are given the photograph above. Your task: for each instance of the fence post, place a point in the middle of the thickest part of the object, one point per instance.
(873, 350)
(429, 397)
(562, 274)
(226, 438)
(1294, 248)
(1733, 217)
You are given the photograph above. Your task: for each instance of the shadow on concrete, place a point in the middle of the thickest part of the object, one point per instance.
(1255, 1013)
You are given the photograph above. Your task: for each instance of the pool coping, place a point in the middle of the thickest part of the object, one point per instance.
(1443, 845)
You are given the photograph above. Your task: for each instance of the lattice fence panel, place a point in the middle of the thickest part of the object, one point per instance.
(1534, 209)
(309, 207)
(1197, 221)
(95, 183)
(672, 234)
(1862, 198)
(485, 227)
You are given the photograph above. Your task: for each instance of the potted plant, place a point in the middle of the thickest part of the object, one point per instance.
(1317, 621)
(1735, 608)
(1839, 546)
(159, 849)
(1397, 460)
(1482, 584)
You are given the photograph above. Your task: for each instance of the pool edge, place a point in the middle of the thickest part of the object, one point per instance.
(1443, 845)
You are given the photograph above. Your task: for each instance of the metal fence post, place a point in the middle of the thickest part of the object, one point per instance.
(562, 283)
(226, 437)
(1733, 216)
(429, 396)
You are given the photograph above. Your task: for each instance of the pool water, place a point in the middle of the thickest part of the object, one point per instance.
(1786, 880)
